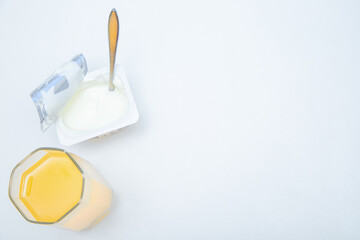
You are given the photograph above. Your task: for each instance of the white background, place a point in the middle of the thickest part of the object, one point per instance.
(249, 115)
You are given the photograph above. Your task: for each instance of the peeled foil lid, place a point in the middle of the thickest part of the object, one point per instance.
(51, 96)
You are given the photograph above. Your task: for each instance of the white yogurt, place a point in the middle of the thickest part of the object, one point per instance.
(94, 110)
(93, 106)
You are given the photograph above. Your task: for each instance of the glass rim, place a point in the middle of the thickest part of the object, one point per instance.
(22, 161)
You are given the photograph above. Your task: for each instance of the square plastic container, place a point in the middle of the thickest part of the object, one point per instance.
(68, 136)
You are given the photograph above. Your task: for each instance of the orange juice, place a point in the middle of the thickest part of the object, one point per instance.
(51, 186)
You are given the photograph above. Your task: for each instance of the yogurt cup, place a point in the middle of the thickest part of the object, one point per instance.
(69, 136)
(54, 97)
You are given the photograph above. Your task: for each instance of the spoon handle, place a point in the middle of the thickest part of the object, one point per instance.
(113, 30)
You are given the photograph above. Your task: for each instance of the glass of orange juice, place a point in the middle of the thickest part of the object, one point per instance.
(52, 186)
